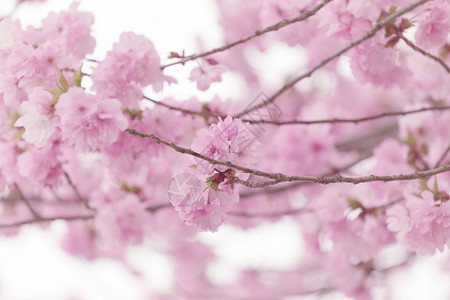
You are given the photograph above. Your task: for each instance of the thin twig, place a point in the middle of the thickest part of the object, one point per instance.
(74, 188)
(441, 159)
(275, 190)
(270, 214)
(184, 110)
(424, 53)
(279, 177)
(46, 219)
(157, 207)
(349, 120)
(367, 36)
(27, 203)
(275, 27)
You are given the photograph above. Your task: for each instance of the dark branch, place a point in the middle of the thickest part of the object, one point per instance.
(275, 27)
(367, 36)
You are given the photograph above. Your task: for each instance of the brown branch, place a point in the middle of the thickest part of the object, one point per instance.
(424, 53)
(183, 110)
(367, 36)
(279, 178)
(272, 190)
(349, 120)
(290, 212)
(46, 219)
(27, 203)
(157, 207)
(441, 159)
(275, 27)
(74, 188)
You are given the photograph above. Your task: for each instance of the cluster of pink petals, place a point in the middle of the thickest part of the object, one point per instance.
(421, 223)
(89, 122)
(228, 140)
(121, 222)
(432, 31)
(36, 118)
(132, 64)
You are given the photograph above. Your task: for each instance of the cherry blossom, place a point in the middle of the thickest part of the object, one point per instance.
(348, 145)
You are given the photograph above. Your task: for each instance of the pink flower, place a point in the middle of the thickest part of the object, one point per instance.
(377, 64)
(205, 78)
(228, 140)
(40, 166)
(88, 122)
(201, 205)
(121, 221)
(421, 223)
(204, 216)
(70, 29)
(434, 29)
(132, 64)
(36, 118)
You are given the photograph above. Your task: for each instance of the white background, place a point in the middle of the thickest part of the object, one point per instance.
(33, 267)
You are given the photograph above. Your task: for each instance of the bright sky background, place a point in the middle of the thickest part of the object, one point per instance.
(33, 267)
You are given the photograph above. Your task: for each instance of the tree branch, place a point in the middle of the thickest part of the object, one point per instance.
(271, 190)
(257, 33)
(270, 214)
(424, 53)
(27, 203)
(441, 159)
(349, 120)
(46, 219)
(367, 36)
(80, 199)
(279, 177)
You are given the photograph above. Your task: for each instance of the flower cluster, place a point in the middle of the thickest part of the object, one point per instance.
(422, 223)
(132, 64)
(204, 204)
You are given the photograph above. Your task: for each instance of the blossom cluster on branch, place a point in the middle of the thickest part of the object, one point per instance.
(353, 146)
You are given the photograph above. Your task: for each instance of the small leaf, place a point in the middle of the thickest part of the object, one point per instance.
(436, 193)
(212, 61)
(353, 203)
(133, 113)
(404, 24)
(390, 30)
(392, 9)
(76, 80)
(411, 140)
(62, 80)
(392, 42)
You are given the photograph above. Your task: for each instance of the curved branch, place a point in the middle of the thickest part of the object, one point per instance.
(27, 202)
(279, 177)
(349, 120)
(77, 193)
(271, 190)
(290, 212)
(46, 219)
(367, 36)
(424, 53)
(275, 27)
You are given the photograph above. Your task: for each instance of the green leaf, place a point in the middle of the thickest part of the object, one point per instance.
(76, 79)
(62, 80)
(130, 189)
(133, 113)
(353, 203)
(392, 9)
(411, 140)
(436, 193)
(392, 42)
